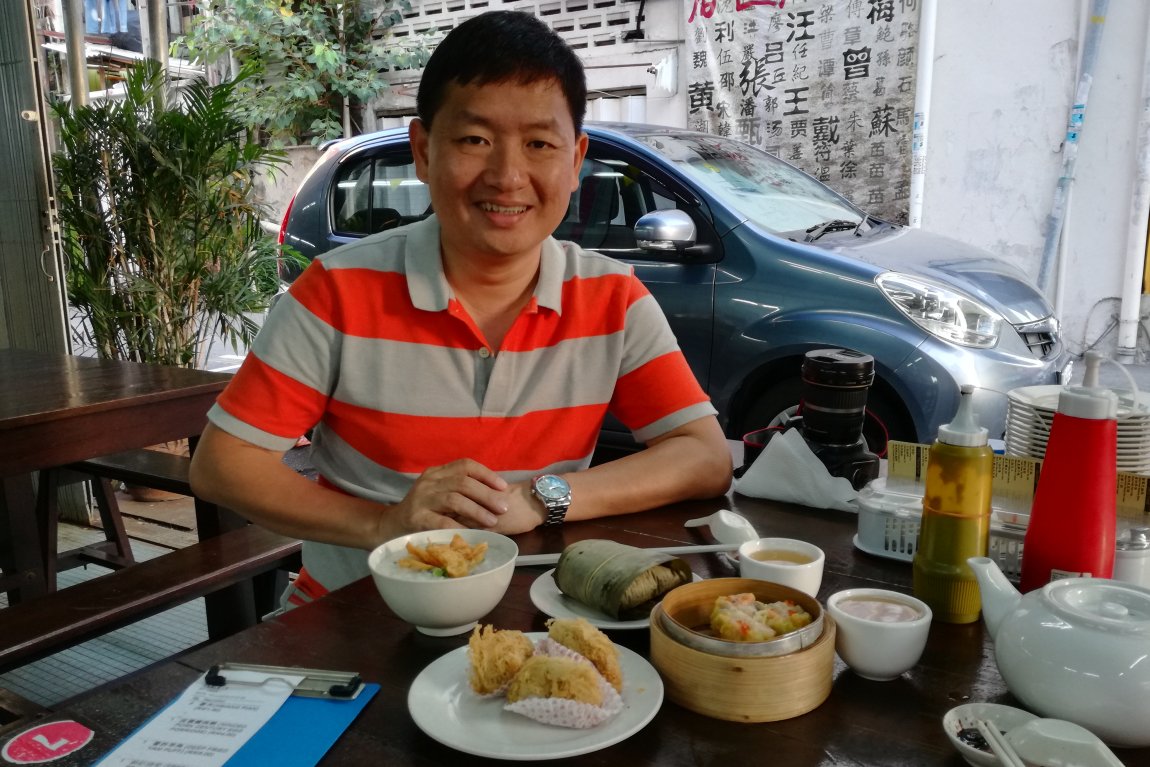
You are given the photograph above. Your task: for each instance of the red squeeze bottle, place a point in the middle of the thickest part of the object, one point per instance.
(1072, 522)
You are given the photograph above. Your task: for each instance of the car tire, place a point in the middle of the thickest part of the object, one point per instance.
(886, 420)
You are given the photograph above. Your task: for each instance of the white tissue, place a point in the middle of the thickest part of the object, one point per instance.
(788, 471)
(568, 713)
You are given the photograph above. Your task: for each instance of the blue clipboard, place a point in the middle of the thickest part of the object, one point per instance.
(302, 731)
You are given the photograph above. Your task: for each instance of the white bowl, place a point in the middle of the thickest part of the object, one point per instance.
(786, 561)
(880, 647)
(441, 606)
(963, 717)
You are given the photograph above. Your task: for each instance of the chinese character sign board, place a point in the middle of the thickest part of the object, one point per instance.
(827, 85)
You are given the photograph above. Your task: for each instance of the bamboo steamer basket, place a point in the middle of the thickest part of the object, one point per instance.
(739, 689)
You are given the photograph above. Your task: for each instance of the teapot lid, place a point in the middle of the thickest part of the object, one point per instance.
(1101, 603)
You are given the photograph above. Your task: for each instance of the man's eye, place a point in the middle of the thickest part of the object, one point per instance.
(473, 140)
(539, 144)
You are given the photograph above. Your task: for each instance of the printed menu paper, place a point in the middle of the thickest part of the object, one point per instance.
(206, 725)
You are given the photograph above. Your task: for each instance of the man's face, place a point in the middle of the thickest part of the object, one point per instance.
(501, 161)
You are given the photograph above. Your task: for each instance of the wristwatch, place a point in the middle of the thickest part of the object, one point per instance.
(556, 496)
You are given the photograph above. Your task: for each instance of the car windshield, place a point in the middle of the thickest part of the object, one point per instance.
(755, 184)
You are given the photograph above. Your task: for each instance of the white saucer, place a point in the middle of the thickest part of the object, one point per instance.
(546, 596)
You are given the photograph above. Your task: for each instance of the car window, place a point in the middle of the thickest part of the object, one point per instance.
(761, 187)
(375, 191)
(612, 195)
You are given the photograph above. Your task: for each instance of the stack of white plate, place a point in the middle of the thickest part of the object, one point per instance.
(1030, 413)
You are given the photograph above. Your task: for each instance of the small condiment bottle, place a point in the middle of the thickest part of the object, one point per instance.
(1132, 557)
(955, 517)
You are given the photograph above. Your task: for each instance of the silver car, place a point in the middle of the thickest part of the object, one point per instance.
(754, 263)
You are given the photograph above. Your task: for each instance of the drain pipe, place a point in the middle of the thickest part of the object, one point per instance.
(74, 31)
(1131, 307)
(1074, 127)
(924, 79)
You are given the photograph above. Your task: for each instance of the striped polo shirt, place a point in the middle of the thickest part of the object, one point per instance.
(371, 348)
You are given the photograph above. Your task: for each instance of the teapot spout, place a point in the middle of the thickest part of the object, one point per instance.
(999, 597)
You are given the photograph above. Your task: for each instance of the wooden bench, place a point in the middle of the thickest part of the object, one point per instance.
(43, 625)
(145, 468)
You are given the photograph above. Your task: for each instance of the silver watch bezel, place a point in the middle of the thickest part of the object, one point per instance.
(554, 505)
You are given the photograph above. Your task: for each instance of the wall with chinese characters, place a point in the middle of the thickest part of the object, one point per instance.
(827, 85)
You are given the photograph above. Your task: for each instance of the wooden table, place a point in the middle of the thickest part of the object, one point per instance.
(861, 723)
(57, 409)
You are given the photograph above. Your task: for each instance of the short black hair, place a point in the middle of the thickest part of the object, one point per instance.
(499, 47)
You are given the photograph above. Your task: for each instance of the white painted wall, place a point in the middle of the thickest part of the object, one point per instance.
(1004, 81)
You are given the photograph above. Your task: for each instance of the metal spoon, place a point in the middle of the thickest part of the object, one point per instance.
(727, 527)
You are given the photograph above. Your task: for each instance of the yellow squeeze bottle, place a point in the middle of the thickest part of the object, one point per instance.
(955, 517)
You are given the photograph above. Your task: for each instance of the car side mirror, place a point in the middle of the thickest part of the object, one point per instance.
(662, 232)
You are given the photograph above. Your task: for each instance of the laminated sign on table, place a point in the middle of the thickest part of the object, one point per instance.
(238, 715)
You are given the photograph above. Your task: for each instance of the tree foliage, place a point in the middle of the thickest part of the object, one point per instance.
(160, 229)
(310, 58)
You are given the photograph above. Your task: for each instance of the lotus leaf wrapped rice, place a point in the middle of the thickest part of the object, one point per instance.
(622, 581)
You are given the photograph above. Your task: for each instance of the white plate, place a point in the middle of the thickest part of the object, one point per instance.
(546, 596)
(443, 705)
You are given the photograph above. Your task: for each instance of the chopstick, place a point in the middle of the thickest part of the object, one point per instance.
(551, 559)
(998, 744)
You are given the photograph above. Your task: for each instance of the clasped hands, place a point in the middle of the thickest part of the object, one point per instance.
(465, 493)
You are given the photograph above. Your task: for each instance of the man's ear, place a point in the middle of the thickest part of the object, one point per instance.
(418, 136)
(581, 145)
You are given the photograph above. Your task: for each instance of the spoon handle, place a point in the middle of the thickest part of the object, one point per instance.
(550, 559)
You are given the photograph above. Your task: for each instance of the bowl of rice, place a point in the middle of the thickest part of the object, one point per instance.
(443, 581)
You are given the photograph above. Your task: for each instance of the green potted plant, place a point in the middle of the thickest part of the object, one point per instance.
(159, 224)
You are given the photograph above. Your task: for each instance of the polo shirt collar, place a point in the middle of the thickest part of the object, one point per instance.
(427, 284)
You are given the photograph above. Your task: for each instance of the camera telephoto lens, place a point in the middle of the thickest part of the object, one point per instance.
(834, 393)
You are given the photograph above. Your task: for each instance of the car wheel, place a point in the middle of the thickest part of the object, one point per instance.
(885, 419)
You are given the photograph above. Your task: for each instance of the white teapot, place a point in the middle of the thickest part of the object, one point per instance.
(1075, 649)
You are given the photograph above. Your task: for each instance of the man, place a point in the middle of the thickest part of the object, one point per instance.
(457, 370)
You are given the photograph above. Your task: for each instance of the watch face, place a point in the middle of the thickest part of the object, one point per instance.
(552, 487)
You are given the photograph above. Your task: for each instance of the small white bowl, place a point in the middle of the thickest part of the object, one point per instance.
(963, 717)
(440, 606)
(883, 635)
(788, 561)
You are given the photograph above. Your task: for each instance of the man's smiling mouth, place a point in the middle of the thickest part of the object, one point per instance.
(491, 207)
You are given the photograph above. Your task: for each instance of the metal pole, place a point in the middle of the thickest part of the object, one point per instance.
(1074, 127)
(924, 77)
(1129, 314)
(158, 31)
(74, 31)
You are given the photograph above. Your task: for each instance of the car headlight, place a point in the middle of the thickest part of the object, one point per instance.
(942, 311)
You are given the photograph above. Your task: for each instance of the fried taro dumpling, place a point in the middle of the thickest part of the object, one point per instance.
(622, 581)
